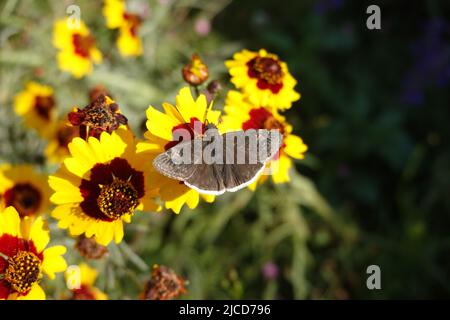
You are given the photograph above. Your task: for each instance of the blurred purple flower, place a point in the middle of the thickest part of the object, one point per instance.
(431, 54)
(270, 270)
(202, 26)
(322, 7)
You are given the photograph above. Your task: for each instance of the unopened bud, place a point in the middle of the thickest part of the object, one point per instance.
(195, 72)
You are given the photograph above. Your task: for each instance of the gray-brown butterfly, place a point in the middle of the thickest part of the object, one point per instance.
(213, 163)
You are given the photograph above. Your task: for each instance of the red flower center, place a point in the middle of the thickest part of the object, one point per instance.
(261, 118)
(83, 293)
(268, 71)
(44, 106)
(83, 44)
(186, 132)
(23, 271)
(117, 199)
(112, 191)
(11, 260)
(24, 197)
(134, 22)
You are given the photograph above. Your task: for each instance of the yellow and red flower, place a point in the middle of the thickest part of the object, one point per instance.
(24, 189)
(128, 23)
(57, 148)
(100, 186)
(264, 78)
(36, 104)
(240, 114)
(77, 49)
(160, 137)
(85, 289)
(24, 257)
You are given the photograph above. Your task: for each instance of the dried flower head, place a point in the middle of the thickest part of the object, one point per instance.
(97, 91)
(164, 284)
(101, 115)
(195, 72)
(90, 249)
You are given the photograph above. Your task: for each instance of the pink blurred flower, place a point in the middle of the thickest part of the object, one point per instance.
(202, 26)
(270, 270)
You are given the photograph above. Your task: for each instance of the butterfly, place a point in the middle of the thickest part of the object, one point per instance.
(214, 163)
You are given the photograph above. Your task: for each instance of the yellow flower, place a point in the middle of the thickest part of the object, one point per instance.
(37, 105)
(100, 186)
(57, 148)
(24, 189)
(117, 17)
(77, 50)
(85, 289)
(23, 257)
(161, 126)
(264, 78)
(240, 114)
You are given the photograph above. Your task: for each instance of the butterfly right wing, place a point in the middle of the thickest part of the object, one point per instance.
(239, 175)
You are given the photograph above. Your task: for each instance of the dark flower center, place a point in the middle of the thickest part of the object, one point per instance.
(261, 118)
(117, 199)
(112, 190)
(268, 71)
(83, 44)
(44, 106)
(23, 271)
(24, 197)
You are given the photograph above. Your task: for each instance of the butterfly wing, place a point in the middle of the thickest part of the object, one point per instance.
(170, 163)
(239, 175)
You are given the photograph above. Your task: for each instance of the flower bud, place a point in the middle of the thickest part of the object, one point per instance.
(195, 72)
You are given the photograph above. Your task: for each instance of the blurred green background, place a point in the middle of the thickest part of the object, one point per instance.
(373, 189)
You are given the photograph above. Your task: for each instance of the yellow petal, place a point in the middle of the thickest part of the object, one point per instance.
(36, 293)
(39, 235)
(53, 261)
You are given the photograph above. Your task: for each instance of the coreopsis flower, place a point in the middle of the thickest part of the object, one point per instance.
(264, 78)
(118, 17)
(89, 248)
(77, 49)
(164, 284)
(57, 148)
(24, 257)
(195, 72)
(81, 282)
(36, 104)
(101, 115)
(240, 114)
(24, 189)
(160, 137)
(100, 186)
